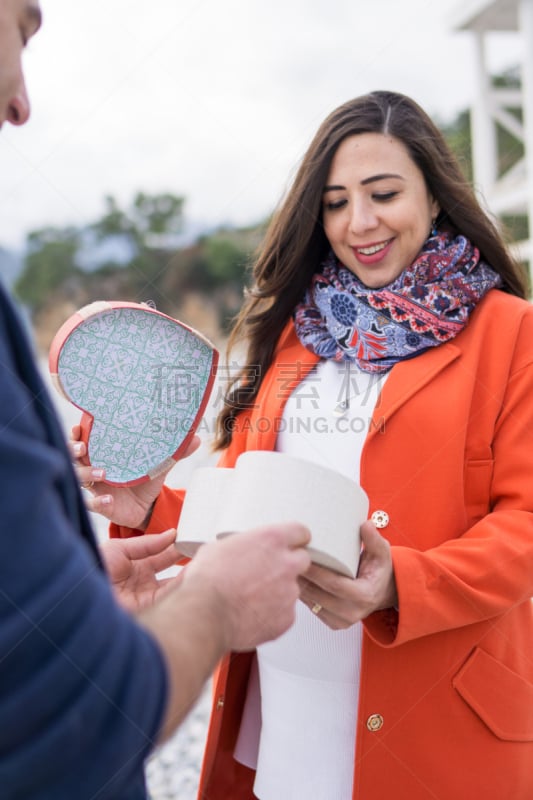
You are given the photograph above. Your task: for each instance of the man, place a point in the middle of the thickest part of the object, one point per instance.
(86, 691)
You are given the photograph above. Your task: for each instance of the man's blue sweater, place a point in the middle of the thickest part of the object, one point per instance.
(82, 686)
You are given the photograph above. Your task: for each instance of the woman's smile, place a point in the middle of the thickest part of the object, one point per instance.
(373, 253)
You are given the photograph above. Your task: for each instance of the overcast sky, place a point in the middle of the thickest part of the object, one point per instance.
(215, 100)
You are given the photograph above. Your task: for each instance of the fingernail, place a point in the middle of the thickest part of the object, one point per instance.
(105, 500)
(97, 474)
(78, 448)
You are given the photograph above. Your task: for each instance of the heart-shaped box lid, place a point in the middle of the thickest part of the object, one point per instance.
(142, 381)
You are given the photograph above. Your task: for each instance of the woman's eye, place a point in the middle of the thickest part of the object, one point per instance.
(333, 205)
(383, 197)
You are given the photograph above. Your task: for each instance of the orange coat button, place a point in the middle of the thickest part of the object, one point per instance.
(380, 519)
(374, 722)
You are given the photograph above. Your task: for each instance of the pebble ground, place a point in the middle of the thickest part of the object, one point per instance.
(172, 773)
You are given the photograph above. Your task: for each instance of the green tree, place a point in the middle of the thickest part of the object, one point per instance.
(50, 262)
(149, 225)
(157, 215)
(226, 260)
(54, 256)
(457, 134)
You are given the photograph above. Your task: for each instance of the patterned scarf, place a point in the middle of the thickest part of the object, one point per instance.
(427, 304)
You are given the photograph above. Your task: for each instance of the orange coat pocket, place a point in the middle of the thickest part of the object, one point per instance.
(500, 697)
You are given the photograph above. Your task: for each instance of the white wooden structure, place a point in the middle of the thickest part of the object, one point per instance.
(512, 192)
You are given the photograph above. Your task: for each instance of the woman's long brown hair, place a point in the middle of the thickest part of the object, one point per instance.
(295, 243)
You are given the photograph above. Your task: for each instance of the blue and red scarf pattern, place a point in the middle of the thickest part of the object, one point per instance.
(427, 304)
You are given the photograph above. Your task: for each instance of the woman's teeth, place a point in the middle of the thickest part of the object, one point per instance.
(375, 248)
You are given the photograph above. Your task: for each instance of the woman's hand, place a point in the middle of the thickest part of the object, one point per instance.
(344, 601)
(133, 564)
(124, 505)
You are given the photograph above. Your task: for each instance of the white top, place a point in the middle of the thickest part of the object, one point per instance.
(317, 426)
(309, 677)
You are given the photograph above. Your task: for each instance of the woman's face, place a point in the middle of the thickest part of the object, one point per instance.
(377, 210)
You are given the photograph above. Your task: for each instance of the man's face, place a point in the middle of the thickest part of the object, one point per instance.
(19, 21)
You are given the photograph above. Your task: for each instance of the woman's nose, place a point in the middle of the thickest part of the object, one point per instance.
(363, 218)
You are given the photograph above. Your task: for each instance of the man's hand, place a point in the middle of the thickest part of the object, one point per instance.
(252, 580)
(133, 565)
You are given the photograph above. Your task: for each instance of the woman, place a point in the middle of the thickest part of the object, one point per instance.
(386, 313)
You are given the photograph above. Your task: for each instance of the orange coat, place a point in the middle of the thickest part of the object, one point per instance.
(446, 692)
